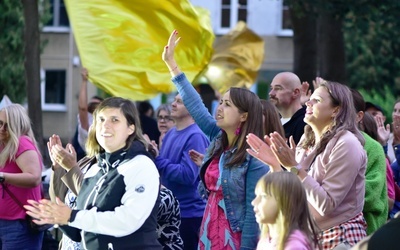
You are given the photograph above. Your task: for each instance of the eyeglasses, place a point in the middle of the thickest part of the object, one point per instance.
(3, 125)
(165, 118)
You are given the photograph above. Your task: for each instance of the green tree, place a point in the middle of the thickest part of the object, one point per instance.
(32, 67)
(353, 42)
(12, 80)
(20, 56)
(373, 50)
(12, 24)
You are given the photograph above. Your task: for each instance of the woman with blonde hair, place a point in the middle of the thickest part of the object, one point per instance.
(20, 174)
(282, 212)
(329, 160)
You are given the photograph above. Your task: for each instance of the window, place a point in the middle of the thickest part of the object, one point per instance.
(232, 11)
(285, 21)
(59, 19)
(53, 89)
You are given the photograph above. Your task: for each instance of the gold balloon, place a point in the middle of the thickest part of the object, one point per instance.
(237, 58)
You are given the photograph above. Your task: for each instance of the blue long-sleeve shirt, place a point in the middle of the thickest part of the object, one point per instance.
(239, 181)
(178, 172)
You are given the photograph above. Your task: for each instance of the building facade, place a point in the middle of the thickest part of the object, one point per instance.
(60, 64)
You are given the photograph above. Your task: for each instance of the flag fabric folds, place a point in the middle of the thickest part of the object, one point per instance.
(237, 58)
(120, 43)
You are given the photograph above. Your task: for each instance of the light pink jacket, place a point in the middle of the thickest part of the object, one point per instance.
(335, 184)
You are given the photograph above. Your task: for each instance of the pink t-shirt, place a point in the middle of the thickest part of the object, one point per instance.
(390, 180)
(296, 241)
(9, 210)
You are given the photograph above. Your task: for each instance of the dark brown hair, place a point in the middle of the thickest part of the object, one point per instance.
(128, 109)
(272, 121)
(368, 125)
(246, 102)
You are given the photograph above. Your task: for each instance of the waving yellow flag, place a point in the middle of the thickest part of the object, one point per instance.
(121, 42)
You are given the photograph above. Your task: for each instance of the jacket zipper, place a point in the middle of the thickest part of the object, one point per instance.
(95, 190)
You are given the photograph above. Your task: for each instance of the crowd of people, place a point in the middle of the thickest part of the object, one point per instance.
(303, 170)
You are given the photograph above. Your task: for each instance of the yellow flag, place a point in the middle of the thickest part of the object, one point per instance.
(121, 42)
(237, 58)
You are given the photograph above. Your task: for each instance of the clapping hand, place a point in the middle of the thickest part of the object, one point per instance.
(273, 151)
(262, 151)
(48, 212)
(64, 157)
(305, 92)
(196, 157)
(383, 131)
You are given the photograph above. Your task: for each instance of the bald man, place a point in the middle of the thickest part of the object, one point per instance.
(285, 95)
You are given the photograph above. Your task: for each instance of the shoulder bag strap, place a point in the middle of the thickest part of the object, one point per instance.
(5, 188)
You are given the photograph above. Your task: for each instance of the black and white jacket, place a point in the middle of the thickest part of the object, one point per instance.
(118, 202)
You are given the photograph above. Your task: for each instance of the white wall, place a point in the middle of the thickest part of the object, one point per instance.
(264, 16)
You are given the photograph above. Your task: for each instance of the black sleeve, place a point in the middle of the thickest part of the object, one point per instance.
(72, 232)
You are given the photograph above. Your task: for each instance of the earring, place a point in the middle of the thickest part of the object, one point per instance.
(238, 130)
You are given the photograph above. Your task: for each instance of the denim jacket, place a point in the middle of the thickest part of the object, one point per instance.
(238, 182)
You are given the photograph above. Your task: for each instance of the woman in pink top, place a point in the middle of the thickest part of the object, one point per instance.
(329, 160)
(282, 212)
(20, 172)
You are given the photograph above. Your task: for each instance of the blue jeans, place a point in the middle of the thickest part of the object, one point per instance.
(189, 231)
(14, 234)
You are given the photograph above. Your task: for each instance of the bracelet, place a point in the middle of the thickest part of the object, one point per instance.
(174, 68)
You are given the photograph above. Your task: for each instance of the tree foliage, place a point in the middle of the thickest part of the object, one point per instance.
(12, 72)
(371, 49)
(385, 100)
(12, 81)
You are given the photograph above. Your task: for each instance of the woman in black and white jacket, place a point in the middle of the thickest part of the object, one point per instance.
(118, 200)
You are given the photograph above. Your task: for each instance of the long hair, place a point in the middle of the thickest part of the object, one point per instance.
(293, 212)
(129, 111)
(272, 121)
(345, 119)
(368, 125)
(18, 124)
(245, 101)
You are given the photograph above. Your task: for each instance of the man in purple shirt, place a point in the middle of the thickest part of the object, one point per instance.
(180, 174)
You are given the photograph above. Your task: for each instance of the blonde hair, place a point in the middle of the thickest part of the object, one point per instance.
(293, 212)
(129, 111)
(19, 125)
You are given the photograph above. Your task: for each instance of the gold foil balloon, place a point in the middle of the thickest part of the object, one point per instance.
(237, 58)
